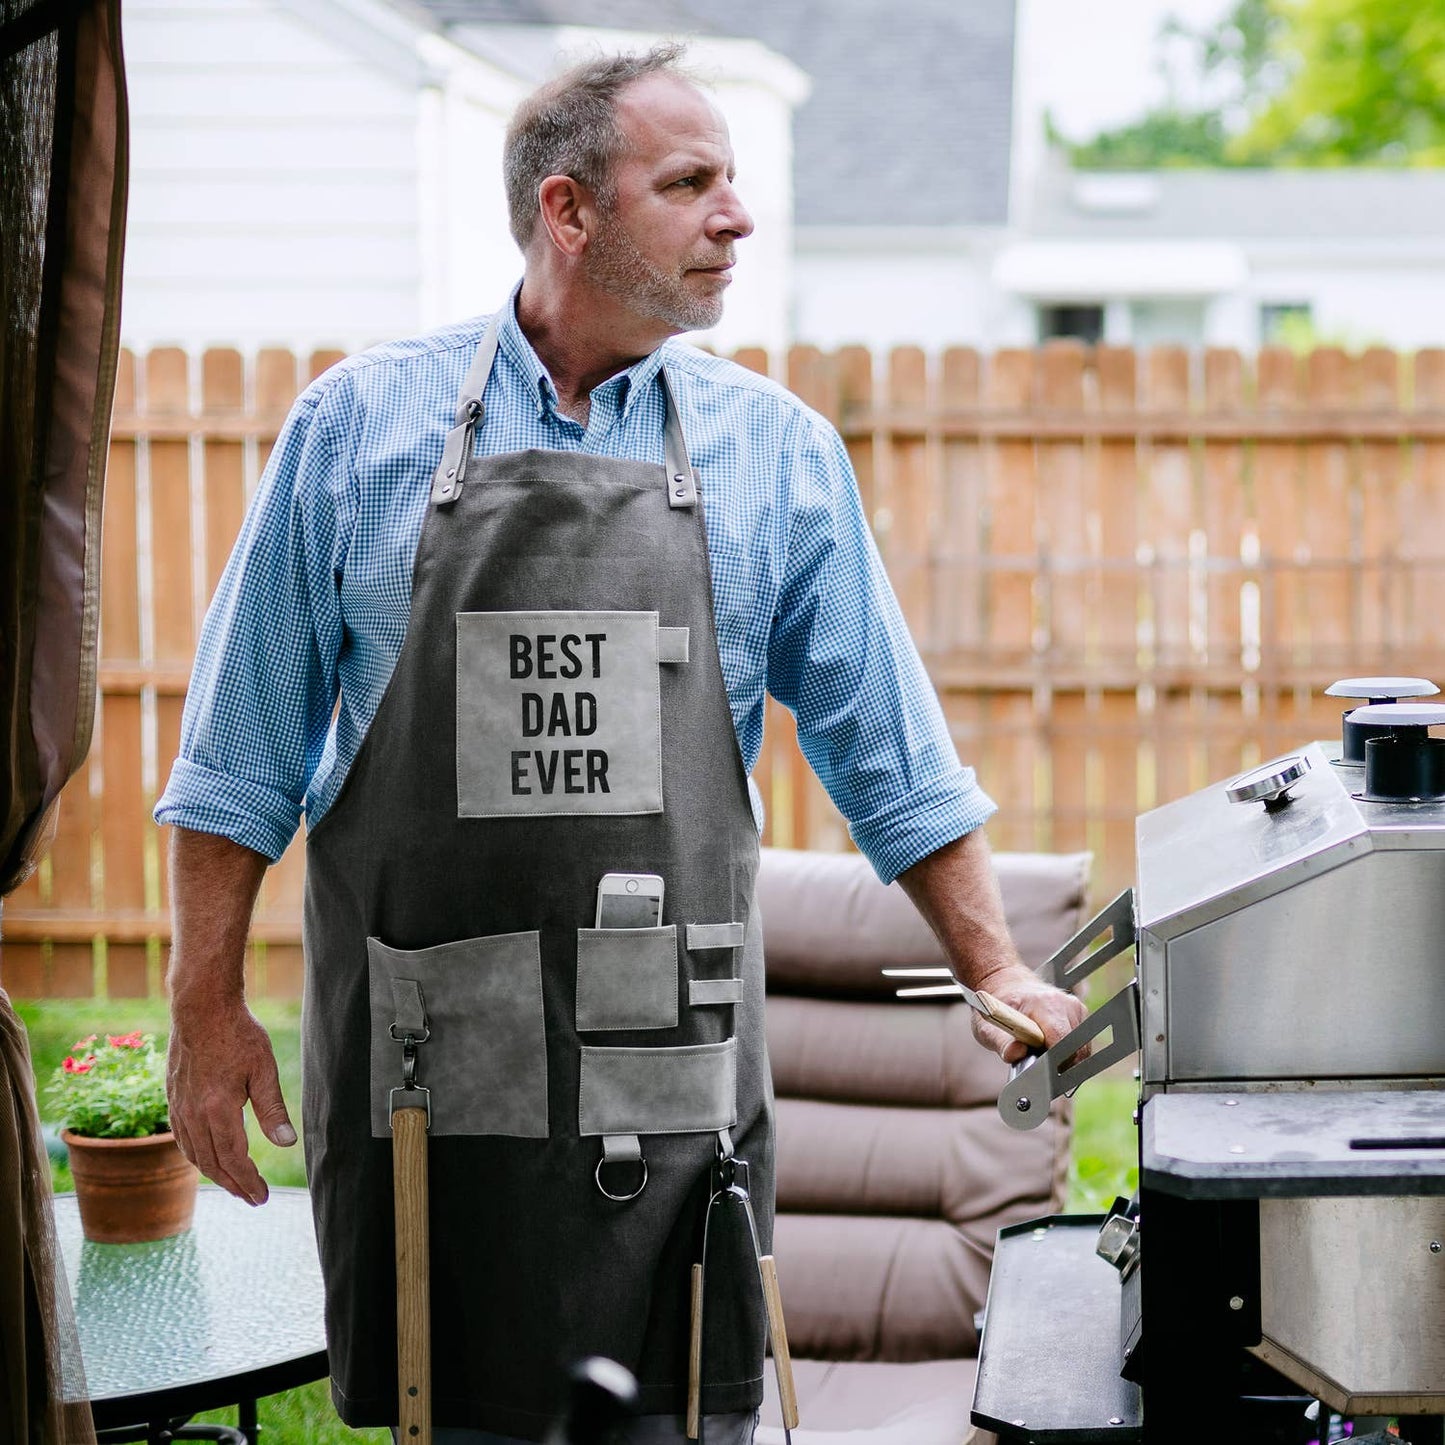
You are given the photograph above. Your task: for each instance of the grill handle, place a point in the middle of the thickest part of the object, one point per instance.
(1035, 1083)
(1067, 968)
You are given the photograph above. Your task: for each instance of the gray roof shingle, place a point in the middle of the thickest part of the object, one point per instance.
(1351, 202)
(911, 112)
(910, 117)
(668, 17)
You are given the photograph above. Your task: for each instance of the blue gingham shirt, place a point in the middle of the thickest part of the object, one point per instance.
(307, 622)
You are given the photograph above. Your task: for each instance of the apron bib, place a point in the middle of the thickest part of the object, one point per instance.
(557, 712)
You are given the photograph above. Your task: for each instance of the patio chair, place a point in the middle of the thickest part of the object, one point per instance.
(895, 1172)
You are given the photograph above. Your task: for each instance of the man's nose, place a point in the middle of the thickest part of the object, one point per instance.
(732, 218)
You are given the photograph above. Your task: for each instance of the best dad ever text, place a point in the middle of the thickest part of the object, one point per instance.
(558, 714)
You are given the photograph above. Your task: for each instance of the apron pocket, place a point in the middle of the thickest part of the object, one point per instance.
(486, 1060)
(658, 1091)
(627, 978)
(559, 713)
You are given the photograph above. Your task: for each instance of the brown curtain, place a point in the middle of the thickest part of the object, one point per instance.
(62, 222)
(62, 226)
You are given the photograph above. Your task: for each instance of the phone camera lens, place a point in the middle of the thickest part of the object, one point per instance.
(632, 885)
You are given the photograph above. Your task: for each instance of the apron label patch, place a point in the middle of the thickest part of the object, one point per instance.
(558, 712)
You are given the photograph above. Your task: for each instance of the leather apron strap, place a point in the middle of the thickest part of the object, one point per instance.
(451, 470)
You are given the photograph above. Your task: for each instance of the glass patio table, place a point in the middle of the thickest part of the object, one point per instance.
(223, 1314)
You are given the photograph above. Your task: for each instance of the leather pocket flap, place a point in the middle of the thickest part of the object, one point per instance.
(486, 1058)
(658, 1091)
(627, 978)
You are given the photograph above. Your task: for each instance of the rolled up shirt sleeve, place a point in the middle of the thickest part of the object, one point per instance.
(258, 711)
(842, 660)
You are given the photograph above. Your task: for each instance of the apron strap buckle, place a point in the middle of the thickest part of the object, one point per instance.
(451, 472)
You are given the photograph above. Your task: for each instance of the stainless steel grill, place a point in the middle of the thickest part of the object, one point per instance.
(1286, 1248)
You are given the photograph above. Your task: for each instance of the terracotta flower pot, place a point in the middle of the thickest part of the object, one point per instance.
(131, 1189)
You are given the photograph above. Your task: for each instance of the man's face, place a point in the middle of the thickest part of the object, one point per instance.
(665, 247)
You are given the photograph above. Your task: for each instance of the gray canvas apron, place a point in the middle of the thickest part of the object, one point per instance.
(557, 712)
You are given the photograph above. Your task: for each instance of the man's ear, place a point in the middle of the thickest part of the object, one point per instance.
(566, 209)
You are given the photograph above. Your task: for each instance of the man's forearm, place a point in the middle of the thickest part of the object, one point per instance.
(956, 890)
(214, 883)
(218, 1055)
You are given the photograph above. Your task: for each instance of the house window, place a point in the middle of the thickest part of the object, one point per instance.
(1083, 323)
(1278, 319)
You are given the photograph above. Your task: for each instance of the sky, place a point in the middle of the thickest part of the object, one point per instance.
(1092, 62)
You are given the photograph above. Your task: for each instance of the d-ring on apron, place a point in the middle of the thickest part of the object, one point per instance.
(557, 712)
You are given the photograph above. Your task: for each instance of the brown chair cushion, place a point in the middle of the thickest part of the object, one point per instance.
(884, 1234)
(895, 1172)
(830, 926)
(879, 1052)
(924, 1404)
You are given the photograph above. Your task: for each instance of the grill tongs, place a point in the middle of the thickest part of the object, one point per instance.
(1035, 1082)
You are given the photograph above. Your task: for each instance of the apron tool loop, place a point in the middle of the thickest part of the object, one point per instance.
(620, 1150)
(730, 1184)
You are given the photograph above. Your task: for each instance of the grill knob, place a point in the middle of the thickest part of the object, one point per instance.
(1270, 784)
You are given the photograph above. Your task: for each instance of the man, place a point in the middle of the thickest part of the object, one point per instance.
(500, 622)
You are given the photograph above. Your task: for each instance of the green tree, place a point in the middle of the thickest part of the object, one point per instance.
(1366, 87)
(1294, 83)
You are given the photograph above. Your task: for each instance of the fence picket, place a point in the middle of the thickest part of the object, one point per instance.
(959, 621)
(1380, 529)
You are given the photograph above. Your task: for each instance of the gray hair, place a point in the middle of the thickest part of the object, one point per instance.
(568, 127)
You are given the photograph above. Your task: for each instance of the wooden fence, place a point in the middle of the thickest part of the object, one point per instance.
(1129, 575)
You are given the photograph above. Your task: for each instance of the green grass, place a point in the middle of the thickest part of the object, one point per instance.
(1104, 1160)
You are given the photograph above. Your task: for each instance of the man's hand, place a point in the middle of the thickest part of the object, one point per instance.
(218, 1055)
(956, 891)
(216, 1061)
(1017, 985)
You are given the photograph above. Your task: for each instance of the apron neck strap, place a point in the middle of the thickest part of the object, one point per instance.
(681, 480)
(474, 384)
(450, 473)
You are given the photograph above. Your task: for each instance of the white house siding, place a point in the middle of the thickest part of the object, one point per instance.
(469, 260)
(1363, 294)
(894, 288)
(315, 173)
(273, 182)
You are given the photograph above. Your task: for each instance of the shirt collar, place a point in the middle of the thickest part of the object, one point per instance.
(513, 344)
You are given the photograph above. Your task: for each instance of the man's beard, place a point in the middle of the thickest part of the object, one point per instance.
(616, 266)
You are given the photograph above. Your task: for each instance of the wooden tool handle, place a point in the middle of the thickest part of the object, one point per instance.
(694, 1357)
(1021, 1026)
(782, 1358)
(413, 1275)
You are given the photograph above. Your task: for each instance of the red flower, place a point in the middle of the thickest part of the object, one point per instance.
(125, 1041)
(84, 1043)
(78, 1066)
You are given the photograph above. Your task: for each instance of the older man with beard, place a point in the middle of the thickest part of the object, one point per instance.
(500, 622)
